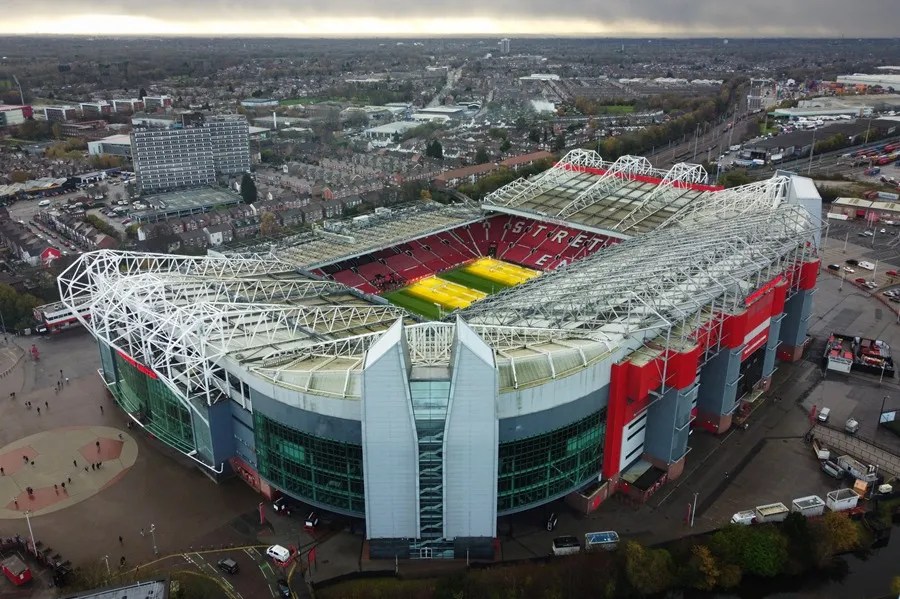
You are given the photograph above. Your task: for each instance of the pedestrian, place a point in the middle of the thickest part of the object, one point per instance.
(97, 443)
(16, 501)
(92, 466)
(39, 410)
(25, 458)
(69, 478)
(63, 485)
(85, 468)
(2, 472)
(99, 464)
(101, 410)
(60, 373)
(67, 380)
(32, 462)
(47, 405)
(75, 463)
(142, 532)
(122, 561)
(121, 540)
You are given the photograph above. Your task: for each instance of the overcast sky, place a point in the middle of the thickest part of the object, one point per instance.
(718, 18)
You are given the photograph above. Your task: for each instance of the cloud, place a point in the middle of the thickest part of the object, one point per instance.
(834, 18)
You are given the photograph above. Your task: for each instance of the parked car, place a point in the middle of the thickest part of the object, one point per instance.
(228, 565)
(823, 414)
(834, 267)
(848, 269)
(852, 261)
(284, 589)
(852, 426)
(279, 553)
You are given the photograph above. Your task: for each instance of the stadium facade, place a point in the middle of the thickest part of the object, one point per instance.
(663, 305)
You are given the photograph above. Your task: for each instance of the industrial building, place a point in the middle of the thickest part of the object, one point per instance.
(660, 304)
(12, 115)
(114, 145)
(190, 156)
(57, 114)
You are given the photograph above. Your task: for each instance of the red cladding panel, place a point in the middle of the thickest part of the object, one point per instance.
(642, 380)
(809, 272)
(779, 295)
(615, 419)
(734, 330)
(683, 368)
(759, 312)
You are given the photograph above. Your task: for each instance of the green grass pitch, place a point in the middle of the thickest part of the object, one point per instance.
(473, 281)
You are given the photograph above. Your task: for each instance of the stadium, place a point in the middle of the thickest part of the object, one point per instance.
(433, 368)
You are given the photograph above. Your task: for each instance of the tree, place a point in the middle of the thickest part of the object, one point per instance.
(505, 145)
(248, 189)
(434, 149)
(702, 569)
(142, 93)
(758, 550)
(481, 155)
(840, 533)
(17, 308)
(559, 142)
(534, 135)
(649, 571)
(734, 178)
(268, 224)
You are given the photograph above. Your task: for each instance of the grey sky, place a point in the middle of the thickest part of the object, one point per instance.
(732, 18)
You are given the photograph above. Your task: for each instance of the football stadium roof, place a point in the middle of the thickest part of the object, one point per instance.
(701, 252)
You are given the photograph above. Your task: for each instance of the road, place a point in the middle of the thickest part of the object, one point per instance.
(453, 76)
(712, 142)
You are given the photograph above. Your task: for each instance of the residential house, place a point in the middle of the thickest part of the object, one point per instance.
(219, 234)
(194, 239)
(524, 160)
(313, 213)
(292, 217)
(246, 227)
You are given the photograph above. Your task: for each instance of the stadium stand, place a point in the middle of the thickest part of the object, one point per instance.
(520, 240)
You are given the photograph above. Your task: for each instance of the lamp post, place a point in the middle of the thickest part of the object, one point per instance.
(30, 531)
(694, 509)
(153, 536)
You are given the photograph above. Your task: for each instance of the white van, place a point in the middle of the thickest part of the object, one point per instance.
(43, 203)
(278, 553)
(823, 415)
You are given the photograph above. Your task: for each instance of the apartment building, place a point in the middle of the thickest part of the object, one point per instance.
(190, 156)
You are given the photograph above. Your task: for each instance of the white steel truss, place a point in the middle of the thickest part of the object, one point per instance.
(659, 280)
(617, 176)
(666, 194)
(761, 196)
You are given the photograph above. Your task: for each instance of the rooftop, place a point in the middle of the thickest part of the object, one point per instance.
(185, 201)
(626, 196)
(154, 589)
(261, 312)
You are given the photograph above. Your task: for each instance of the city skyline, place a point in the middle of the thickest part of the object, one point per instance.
(352, 18)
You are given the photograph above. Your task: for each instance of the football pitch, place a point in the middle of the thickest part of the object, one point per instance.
(435, 296)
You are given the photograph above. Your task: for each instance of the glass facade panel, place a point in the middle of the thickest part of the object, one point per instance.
(429, 402)
(154, 405)
(535, 469)
(312, 468)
